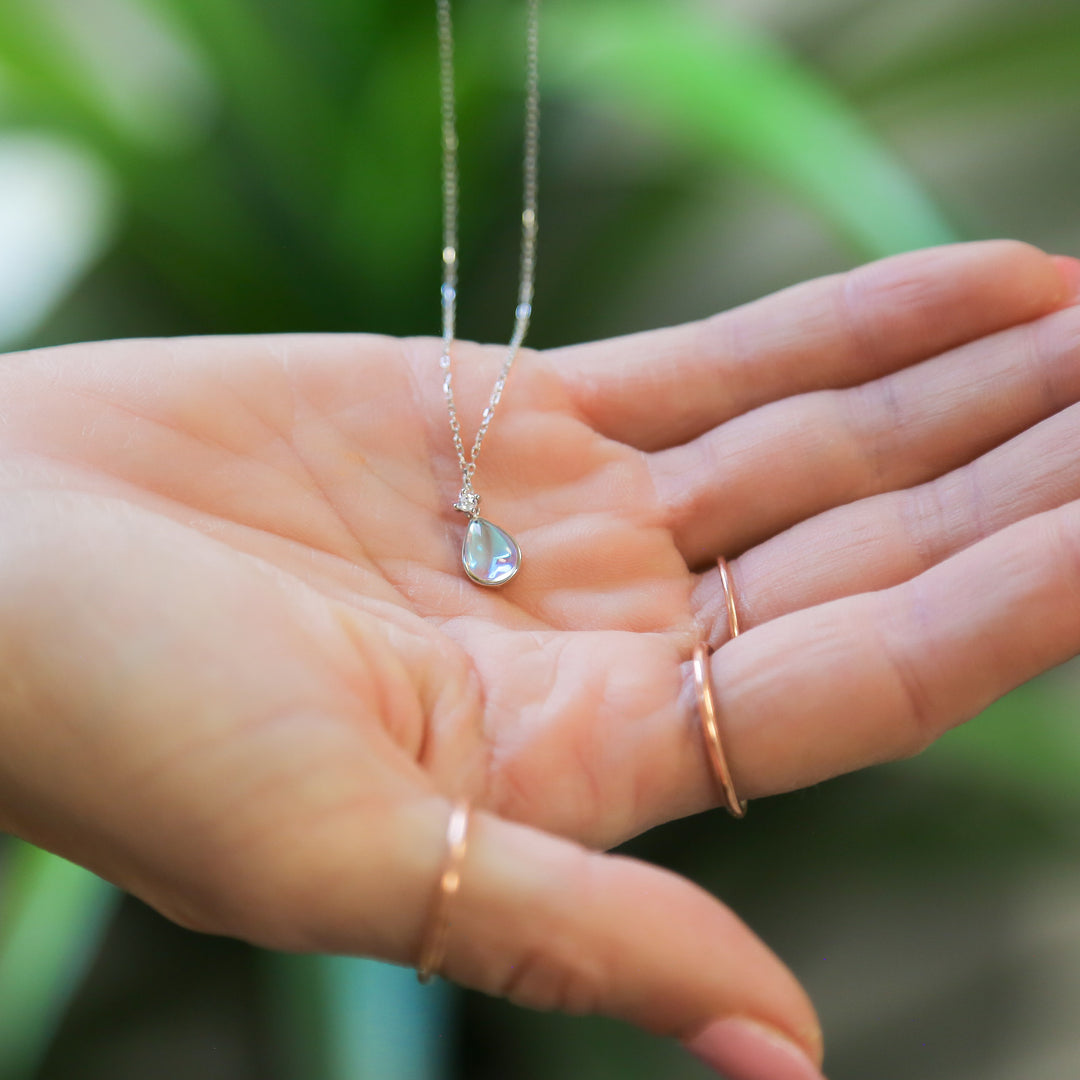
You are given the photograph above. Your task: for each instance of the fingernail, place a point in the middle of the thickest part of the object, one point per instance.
(1069, 268)
(741, 1049)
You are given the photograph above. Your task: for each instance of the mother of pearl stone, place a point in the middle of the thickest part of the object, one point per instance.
(489, 554)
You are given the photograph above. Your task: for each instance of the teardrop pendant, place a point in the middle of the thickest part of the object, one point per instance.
(489, 554)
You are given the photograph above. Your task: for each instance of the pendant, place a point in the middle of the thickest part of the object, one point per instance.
(489, 554)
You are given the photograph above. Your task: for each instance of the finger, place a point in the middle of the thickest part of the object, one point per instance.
(667, 386)
(822, 450)
(882, 541)
(549, 925)
(828, 689)
(880, 676)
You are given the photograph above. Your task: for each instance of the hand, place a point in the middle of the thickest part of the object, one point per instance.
(244, 674)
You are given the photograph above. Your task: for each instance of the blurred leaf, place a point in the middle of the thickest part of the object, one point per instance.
(41, 66)
(285, 112)
(712, 85)
(383, 1023)
(1027, 745)
(56, 205)
(389, 199)
(1010, 61)
(141, 72)
(343, 1018)
(54, 917)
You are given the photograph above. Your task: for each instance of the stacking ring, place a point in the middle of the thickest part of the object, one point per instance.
(711, 729)
(433, 948)
(729, 597)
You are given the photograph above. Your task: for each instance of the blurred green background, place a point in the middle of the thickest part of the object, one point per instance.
(224, 166)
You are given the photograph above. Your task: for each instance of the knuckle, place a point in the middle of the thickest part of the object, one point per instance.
(1051, 346)
(873, 299)
(897, 286)
(851, 297)
(553, 980)
(909, 671)
(566, 964)
(872, 415)
(928, 515)
(1063, 539)
(681, 500)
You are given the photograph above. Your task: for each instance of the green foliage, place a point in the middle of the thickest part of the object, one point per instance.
(725, 93)
(1026, 747)
(280, 171)
(1019, 57)
(53, 917)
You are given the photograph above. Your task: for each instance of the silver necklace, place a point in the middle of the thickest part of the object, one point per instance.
(489, 555)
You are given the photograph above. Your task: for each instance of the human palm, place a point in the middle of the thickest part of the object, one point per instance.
(245, 670)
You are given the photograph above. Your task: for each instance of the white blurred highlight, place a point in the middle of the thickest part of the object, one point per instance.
(56, 214)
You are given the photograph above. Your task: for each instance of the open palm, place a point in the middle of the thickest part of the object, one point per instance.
(244, 671)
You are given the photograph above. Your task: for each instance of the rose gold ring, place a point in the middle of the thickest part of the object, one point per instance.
(433, 949)
(729, 596)
(711, 729)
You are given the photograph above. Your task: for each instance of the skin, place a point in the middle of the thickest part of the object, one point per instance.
(245, 676)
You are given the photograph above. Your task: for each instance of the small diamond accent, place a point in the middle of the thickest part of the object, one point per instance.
(468, 502)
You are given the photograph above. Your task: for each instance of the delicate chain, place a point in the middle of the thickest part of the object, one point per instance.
(469, 501)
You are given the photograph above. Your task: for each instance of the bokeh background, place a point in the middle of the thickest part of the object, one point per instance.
(223, 166)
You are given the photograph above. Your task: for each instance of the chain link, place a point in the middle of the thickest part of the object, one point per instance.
(469, 501)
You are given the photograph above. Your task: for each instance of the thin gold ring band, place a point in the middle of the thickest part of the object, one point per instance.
(711, 729)
(729, 596)
(433, 948)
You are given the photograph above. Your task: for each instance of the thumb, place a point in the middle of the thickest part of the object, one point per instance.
(552, 925)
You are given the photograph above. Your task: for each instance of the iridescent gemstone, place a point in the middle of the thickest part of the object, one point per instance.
(489, 555)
